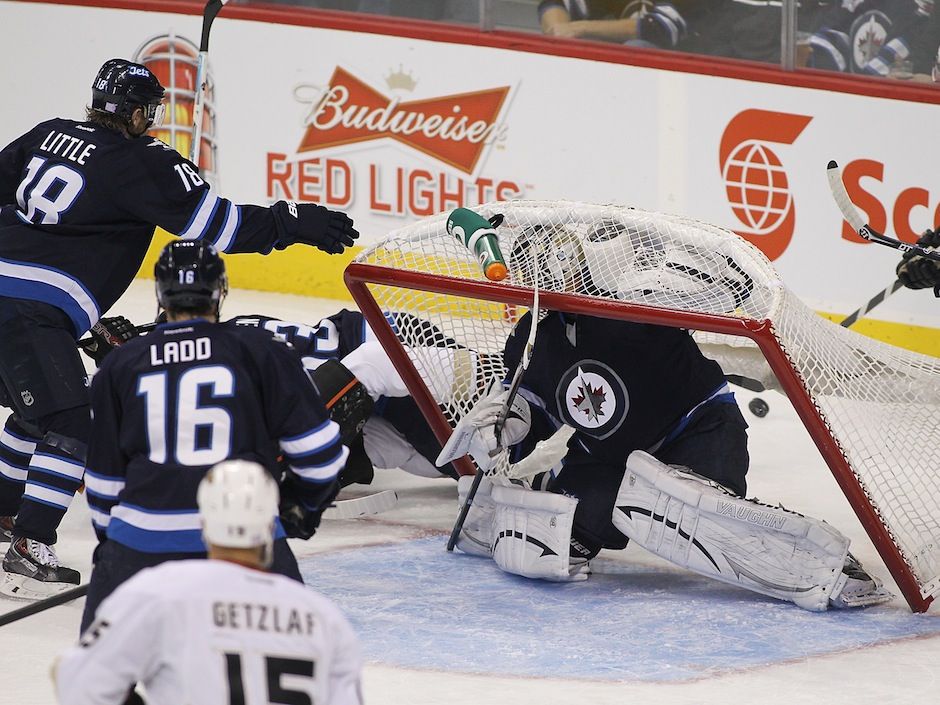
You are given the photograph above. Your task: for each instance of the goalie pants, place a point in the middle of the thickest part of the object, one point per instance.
(713, 444)
(116, 563)
(45, 383)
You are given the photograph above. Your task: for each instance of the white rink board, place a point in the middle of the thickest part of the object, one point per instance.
(567, 128)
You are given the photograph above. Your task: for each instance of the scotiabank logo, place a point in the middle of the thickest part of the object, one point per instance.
(454, 129)
(755, 182)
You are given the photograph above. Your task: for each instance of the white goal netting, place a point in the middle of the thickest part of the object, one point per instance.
(875, 404)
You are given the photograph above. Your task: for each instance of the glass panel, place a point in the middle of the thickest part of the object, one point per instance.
(894, 40)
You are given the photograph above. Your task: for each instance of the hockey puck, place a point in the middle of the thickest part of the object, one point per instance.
(758, 407)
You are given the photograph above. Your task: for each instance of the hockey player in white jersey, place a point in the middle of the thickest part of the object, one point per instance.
(221, 630)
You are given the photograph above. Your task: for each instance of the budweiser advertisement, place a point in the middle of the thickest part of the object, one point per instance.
(393, 129)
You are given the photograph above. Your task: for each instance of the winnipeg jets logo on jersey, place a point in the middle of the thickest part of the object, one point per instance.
(593, 398)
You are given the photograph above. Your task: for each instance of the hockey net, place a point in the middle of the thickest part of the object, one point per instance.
(871, 408)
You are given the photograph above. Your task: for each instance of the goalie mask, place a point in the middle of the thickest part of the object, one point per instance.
(122, 86)
(553, 251)
(190, 276)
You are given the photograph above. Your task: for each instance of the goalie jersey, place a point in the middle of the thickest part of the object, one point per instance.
(622, 386)
(78, 206)
(212, 632)
(169, 405)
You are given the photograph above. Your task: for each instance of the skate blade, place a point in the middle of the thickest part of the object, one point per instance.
(878, 596)
(21, 587)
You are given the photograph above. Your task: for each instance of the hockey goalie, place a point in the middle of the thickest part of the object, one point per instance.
(656, 452)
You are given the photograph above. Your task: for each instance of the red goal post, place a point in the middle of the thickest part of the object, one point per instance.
(666, 270)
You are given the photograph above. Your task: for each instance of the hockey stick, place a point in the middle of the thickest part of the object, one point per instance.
(504, 412)
(875, 300)
(375, 503)
(864, 230)
(208, 15)
(42, 605)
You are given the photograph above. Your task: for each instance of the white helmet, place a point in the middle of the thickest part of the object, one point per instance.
(238, 504)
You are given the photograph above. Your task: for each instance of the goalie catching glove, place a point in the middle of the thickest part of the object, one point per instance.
(310, 224)
(916, 272)
(475, 433)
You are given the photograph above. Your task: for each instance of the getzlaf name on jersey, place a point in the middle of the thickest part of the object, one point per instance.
(113, 191)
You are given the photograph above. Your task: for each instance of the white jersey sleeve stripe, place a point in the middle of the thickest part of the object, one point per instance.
(102, 486)
(202, 216)
(57, 465)
(48, 495)
(13, 473)
(156, 521)
(229, 232)
(313, 441)
(322, 473)
(20, 445)
(100, 519)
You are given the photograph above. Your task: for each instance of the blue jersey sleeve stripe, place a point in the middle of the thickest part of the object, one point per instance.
(148, 541)
(51, 286)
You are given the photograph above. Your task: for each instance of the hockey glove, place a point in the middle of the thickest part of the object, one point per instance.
(344, 396)
(663, 26)
(107, 334)
(298, 521)
(310, 224)
(916, 272)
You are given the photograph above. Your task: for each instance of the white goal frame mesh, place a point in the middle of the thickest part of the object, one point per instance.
(871, 408)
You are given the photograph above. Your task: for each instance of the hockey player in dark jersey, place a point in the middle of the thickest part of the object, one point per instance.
(79, 201)
(919, 272)
(658, 456)
(170, 404)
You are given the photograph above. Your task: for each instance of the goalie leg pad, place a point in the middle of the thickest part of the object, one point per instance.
(697, 524)
(532, 534)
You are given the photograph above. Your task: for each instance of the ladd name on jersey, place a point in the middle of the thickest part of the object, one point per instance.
(67, 147)
(263, 618)
(180, 351)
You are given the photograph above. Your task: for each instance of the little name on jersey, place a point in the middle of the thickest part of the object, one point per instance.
(262, 618)
(67, 147)
(180, 351)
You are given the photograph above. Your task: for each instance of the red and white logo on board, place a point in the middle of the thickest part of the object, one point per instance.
(756, 183)
(454, 129)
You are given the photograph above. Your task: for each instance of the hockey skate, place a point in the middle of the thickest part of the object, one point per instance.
(32, 571)
(6, 529)
(859, 589)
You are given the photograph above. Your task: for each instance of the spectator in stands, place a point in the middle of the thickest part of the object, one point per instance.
(637, 22)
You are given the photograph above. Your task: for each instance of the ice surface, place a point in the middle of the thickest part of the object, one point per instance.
(442, 628)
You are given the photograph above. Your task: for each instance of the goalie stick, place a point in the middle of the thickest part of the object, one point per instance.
(208, 15)
(504, 412)
(356, 507)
